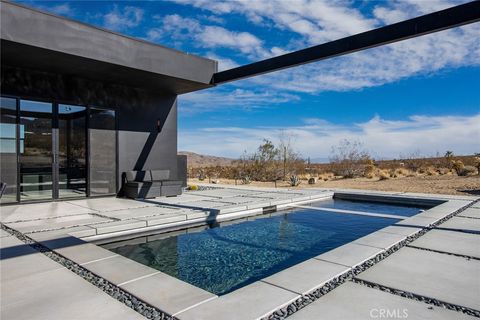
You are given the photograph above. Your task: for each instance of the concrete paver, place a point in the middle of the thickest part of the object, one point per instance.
(467, 244)
(350, 254)
(462, 224)
(307, 276)
(118, 269)
(251, 302)
(380, 240)
(167, 293)
(18, 259)
(436, 275)
(26, 212)
(110, 204)
(353, 301)
(470, 213)
(59, 294)
(56, 223)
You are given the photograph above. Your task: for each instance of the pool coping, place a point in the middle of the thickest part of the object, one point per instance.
(88, 255)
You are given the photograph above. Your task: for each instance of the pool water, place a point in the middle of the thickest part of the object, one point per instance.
(223, 259)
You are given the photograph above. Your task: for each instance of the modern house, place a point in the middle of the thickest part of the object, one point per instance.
(80, 105)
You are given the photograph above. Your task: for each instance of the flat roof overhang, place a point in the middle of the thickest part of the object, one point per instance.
(45, 42)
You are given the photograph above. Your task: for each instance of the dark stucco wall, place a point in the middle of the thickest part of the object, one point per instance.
(141, 145)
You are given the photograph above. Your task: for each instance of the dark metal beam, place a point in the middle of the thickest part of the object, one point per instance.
(429, 23)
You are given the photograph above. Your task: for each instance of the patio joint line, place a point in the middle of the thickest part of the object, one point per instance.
(280, 287)
(117, 293)
(139, 278)
(195, 305)
(443, 252)
(101, 259)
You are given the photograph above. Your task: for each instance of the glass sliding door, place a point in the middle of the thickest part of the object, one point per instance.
(8, 148)
(72, 151)
(35, 147)
(102, 152)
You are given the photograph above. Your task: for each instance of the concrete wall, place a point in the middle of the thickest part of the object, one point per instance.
(141, 145)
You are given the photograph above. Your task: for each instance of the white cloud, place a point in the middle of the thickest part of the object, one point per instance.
(177, 27)
(319, 21)
(123, 18)
(383, 138)
(62, 9)
(231, 97)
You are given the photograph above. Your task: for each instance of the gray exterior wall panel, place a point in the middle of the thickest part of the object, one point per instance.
(58, 34)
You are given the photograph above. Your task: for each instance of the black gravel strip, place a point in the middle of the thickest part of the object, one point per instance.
(145, 309)
(443, 252)
(305, 300)
(413, 296)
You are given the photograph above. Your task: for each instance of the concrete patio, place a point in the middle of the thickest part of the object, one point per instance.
(422, 264)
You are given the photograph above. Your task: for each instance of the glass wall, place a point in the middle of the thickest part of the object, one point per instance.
(36, 156)
(103, 150)
(8, 148)
(48, 152)
(72, 151)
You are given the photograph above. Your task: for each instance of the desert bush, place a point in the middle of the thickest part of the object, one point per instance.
(193, 187)
(476, 162)
(383, 176)
(201, 175)
(294, 181)
(458, 166)
(349, 159)
(467, 171)
(246, 180)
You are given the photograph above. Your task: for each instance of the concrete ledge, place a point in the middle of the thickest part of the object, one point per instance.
(380, 240)
(350, 254)
(119, 270)
(251, 302)
(167, 293)
(110, 227)
(307, 276)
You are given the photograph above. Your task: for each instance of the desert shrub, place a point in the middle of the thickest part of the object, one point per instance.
(458, 166)
(294, 181)
(383, 176)
(201, 175)
(476, 162)
(349, 159)
(193, 187)
(246, 179)
(467, 171)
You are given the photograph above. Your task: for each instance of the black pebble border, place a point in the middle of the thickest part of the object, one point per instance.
(305, 300)
(112, 290)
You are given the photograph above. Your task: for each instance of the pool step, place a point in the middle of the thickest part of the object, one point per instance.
(361, 213)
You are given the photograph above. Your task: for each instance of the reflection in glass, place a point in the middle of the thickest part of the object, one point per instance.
(8, 149)
(71, 151)
(35, 150)
(103, 149)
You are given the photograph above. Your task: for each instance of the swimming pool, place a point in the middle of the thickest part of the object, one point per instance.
(224, 258)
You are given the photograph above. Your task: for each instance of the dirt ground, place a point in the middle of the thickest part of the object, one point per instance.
(446, 184)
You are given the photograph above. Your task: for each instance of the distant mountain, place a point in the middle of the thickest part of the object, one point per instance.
(195, 160)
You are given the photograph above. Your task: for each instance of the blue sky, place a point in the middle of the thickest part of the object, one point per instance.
(420, 95)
